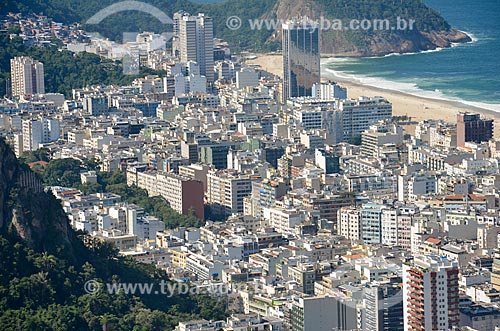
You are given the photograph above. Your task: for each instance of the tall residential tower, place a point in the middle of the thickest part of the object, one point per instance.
(26, 76)
(196, 42)
(430, 294)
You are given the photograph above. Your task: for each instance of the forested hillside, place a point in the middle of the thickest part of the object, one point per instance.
(64, 71)
(44, 267)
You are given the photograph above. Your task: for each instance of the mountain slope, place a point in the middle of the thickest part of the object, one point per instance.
(431, 30)
(44, 269)
(30, 215)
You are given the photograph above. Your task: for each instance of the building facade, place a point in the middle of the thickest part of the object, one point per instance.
(196, 41)
(36, 132)
(26, 76)
(301, 59)
(473, 128)
(359, 114)
(226, 191)
(430, 294)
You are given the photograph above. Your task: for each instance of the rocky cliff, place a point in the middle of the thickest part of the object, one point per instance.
(29, 214)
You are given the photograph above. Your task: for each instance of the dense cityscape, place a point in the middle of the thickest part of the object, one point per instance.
(294, 204)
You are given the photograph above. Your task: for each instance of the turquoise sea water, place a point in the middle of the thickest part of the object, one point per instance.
(469, 73)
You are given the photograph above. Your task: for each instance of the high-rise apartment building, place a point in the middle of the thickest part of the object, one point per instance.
(380, 135)
(226, 190)
(430, 294)
(371, 223)
(184, 194)
(359, 114)
(411, 186)
(36, 132)
(349, 223)
(196, 42)
(323, 313)
(301, 58)
(329, 91)
(196, 171)
(215, 154)
(473, 128)
(383, 301)
(95, 105)
(26, 76)
(264, 194)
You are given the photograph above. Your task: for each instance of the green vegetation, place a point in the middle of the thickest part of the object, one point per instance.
(44, 291)
(62, 172)
(426, 19)
(42, 154)
(64, 71)
(112, 27)
(116, 182)
(66, 172)
(44, 266)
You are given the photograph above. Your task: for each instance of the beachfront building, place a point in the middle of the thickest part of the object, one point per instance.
(359, 114)
(329, 91)
(301, 58)
(473, 128)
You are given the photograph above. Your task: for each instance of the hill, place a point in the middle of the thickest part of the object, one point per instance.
(64, 71)
(44, 266)
(431, 30)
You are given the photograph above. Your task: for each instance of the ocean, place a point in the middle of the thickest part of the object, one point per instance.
(468, 73)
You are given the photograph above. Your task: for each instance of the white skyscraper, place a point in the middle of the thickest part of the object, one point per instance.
(196, 42)
(26, 76)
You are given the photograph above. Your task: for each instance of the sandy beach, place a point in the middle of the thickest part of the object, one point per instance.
(418, 108)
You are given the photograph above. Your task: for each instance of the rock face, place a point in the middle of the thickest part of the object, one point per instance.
(430, 30)
(9, 169)
(28, 213)
(382, 45)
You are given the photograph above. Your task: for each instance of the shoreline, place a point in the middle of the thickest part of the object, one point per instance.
(457, 104)
(419, 108)
(470, 35)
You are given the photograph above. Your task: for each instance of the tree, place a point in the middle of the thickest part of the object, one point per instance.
(45, 262)
(41, 154)
(90, 188)
(91, 164)
(64, 70)
(63, 172)
(43, 274)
